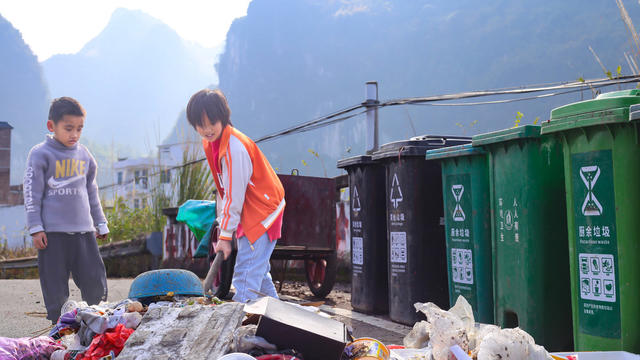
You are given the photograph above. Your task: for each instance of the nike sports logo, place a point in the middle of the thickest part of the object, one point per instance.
(55, 184)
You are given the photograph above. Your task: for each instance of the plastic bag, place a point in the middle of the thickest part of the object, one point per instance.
(245, 339)
(111, 341)
(418, 337)
(510, 344)
(199, 216)
(28, 348)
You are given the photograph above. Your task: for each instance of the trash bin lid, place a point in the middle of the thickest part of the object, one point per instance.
(515, 133)
(354, 161)
(160, 282)
(417, 146)
(454, 151)
(611, 107)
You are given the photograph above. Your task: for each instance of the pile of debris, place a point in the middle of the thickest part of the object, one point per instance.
(167, 316)
(181, 327)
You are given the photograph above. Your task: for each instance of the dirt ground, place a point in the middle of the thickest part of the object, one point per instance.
(339, 297)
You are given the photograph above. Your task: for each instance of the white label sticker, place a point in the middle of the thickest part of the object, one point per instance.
(356, 200)
(398, 247)
(458, 213)
(396, 191)
(462, 266)
(597, 277)
(357, 251)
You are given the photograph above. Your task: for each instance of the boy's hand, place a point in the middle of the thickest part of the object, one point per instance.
(224, 246)
(39, 240)
(101, 237)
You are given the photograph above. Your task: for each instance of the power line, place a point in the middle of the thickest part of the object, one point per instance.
(335, 117)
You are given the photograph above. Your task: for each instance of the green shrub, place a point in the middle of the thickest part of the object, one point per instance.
(126, 223)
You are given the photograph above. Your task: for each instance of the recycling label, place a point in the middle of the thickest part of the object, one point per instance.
(596, 243)
(462, 266)
(398, 245)
(357, 252)
(459, 232)
(357, 234)
(355, 200)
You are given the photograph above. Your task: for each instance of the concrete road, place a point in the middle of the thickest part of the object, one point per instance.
(22, 312)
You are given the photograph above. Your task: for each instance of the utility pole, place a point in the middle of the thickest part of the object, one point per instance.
(371, 102)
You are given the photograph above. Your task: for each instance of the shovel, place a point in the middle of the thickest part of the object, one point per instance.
(213, 273)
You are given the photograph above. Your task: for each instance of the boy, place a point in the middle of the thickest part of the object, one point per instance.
(64, 214)
(250, 197)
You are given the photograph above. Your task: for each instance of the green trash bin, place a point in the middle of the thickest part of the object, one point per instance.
(529, 234)
(467, 222)
(601, 140)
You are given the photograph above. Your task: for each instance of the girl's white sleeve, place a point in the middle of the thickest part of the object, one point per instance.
(236, 175)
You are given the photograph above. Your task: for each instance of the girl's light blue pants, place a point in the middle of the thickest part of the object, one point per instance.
(251, 271)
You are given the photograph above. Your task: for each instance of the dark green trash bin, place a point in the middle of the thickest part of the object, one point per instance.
(415, 225)
(529, 231)
(601, 139)
(467, 223)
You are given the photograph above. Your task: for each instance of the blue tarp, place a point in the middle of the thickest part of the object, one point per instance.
(199, 216)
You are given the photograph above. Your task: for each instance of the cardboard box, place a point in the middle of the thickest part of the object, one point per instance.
(289, 326)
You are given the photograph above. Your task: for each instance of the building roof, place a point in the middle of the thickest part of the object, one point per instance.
(135, 162)
(5, 125)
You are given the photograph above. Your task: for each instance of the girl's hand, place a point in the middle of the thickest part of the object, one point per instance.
(102, 237)
(224, 246)
(39, 240)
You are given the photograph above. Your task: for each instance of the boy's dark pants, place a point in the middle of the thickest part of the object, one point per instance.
(77, 254)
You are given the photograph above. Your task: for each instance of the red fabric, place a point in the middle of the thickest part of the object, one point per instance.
(215, 149)
(103, 344)
(275, 230)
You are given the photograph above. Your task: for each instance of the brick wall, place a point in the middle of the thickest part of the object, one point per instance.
(4, 186)
(5, 163)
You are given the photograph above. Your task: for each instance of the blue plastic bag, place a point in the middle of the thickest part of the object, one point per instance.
(199, 216)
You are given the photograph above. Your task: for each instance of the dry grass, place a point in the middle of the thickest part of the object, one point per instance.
(8, 253)
(632, 59)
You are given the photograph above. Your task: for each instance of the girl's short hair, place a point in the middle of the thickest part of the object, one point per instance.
(211, 102)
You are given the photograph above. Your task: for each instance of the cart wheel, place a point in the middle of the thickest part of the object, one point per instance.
(321, 274)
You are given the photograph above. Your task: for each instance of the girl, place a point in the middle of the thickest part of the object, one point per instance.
(250, 197)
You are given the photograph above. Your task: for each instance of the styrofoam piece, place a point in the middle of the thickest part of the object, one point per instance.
(601, 355)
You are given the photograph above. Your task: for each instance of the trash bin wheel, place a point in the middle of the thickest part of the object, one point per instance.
(321, 274)
(222, 282)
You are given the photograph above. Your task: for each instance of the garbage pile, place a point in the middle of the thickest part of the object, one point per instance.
(154, 323)
(454, 334)
(82, 332)
(182, 327)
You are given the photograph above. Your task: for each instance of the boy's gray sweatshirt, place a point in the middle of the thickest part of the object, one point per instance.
(60, 191)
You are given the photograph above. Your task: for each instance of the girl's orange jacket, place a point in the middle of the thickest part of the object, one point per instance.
(249, 191)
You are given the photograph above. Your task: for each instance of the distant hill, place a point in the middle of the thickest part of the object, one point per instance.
(182, 132)
(293, 60)
(23, 96)
(134, 78)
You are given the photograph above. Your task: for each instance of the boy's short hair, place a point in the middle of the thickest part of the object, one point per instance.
(65, 106)
(211, 102)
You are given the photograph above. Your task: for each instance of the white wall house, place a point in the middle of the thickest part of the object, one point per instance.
(134, 180)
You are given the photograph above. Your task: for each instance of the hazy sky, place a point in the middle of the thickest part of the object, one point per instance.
(52, 27)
